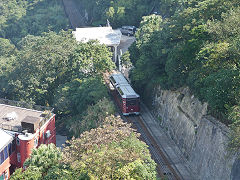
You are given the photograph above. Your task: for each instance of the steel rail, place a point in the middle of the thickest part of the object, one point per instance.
(164, 168)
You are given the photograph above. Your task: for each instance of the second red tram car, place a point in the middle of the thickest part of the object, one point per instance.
(127, 99)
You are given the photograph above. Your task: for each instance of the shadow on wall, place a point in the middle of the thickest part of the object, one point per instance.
(235, 174)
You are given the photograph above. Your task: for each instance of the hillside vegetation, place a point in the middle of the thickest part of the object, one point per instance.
(21, 18)
(111, 151)
(198, 46)
(188, 43)
(191, 43)
(123, 12)
(42, 64)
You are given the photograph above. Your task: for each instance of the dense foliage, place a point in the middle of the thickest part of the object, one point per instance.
(52, 69)
(82, 104)
(42, 64)
(111, 151)
(191, 43)
(198, 47)
(20, 18)
(43, 162)
(124, 12)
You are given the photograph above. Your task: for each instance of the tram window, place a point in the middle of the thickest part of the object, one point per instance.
(112, 80)
(131, 102)
(120, 91)
(119, 96)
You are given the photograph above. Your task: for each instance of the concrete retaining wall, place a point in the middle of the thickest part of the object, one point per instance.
(200, 137)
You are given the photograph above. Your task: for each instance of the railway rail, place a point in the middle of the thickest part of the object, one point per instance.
(164, 168)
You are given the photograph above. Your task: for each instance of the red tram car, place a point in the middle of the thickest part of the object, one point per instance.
(127, 99)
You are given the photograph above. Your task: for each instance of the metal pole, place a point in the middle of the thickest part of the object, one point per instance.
(119, 61)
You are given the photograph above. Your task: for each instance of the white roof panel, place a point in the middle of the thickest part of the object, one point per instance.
(5, 139)
(127, 91)
(119, 79)
(105, 35)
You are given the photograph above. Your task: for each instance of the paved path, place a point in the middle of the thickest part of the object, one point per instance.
(125, 43)
(60, 140)
(73, 14)
(168, 146)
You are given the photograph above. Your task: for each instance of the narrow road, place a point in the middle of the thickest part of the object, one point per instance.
(164, 167)
(167, 145)
(73, 14)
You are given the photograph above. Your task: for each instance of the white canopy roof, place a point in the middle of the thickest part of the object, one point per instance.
(5, 139)
(105, 35)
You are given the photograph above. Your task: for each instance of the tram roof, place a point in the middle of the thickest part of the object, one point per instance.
(126, 91)
(118, 79)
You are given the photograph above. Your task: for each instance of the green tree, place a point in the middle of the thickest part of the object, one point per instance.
(44, 157)
(234, 138)
(111, 151)
(91, 58)
(197, 46)
(121, 12)
(20, 18)
(81, 104)
(31, 173)
(43, 163)
(7, 56)
(6, 47)
(74, 97)
(93, 117)
(41, 65)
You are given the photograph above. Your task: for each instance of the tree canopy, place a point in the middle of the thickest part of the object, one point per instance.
(21, 18)
(110, 151)
(197, 47)
(121, 12)
(42, 64)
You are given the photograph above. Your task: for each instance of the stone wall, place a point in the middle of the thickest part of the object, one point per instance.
(200, 137)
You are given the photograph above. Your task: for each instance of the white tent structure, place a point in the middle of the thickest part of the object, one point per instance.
(105, 35)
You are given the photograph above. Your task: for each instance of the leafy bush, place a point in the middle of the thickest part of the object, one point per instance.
(20, 18)
(122, 12)
(111, 151)
(234, 138)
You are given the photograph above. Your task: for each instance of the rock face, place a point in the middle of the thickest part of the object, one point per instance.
(200, 137)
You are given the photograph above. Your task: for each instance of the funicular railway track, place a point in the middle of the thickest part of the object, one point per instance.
(164, 168)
